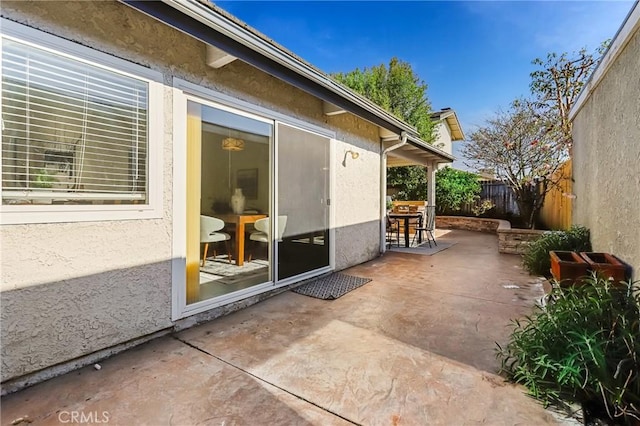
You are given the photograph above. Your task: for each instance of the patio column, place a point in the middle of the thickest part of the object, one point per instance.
(431, 183)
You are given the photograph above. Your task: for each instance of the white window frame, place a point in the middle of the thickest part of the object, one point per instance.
(23, 214)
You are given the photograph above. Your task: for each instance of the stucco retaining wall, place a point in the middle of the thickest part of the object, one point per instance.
(510, 240)
(71, 289)
(606, 158)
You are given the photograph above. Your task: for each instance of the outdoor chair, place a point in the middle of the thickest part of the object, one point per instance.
(426, 225)
(393, 229)
(208, 234)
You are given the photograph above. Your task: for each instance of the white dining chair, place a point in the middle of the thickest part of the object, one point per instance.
(208, 234)
(261, 234)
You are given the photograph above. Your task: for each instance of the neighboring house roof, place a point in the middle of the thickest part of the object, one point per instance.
(628, 28)
(449, 116)
(198, 18)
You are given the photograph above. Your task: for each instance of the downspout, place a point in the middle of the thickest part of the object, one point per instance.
(383, 190)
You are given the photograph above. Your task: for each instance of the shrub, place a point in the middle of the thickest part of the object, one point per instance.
(536, 257)
(455, 188)
(584, 347)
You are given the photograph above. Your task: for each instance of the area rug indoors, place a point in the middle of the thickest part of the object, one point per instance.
(220, 268)
(424, 249)
(332, 286)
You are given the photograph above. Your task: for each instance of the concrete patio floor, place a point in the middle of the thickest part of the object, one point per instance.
(415, 346)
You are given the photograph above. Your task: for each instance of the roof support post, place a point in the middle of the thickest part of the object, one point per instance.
(383, 189)
(432, 168)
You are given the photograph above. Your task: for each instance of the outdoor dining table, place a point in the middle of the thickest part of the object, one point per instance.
(407, 220)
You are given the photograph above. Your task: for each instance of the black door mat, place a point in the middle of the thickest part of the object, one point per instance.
(332, 286)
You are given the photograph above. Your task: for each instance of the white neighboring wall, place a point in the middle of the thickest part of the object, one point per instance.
(443, 140)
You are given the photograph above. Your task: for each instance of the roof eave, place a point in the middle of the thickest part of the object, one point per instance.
(197, 19)
(442, 157)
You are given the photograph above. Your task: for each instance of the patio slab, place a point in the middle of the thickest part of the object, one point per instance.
(413, 346)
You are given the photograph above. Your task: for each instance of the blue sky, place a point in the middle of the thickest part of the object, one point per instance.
(474, 56)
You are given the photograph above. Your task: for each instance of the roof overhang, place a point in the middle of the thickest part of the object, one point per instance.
(215, 27)
(417, 153)
(232, 39)
(451, 118)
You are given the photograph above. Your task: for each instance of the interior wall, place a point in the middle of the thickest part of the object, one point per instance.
(220, 174)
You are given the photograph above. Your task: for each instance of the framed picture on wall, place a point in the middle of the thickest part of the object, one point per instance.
(247, 179)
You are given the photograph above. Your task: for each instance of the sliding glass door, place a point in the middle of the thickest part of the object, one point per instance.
(303, 201)
(257, 203)
(228, 202)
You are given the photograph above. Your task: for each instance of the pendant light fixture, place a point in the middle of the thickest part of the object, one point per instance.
(232, 144)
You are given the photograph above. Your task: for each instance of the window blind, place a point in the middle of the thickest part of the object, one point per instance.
(71, 131)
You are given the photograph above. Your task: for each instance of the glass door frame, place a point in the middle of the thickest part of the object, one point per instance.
(183, 92)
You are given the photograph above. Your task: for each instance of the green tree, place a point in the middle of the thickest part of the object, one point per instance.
(397, 89)
(410, 182)
(455, 188)
(557, 83)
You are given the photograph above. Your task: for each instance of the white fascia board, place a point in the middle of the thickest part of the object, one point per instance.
(219, 23)
(629, 27)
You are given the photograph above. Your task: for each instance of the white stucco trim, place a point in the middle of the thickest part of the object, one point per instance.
(620, 40)
(332, 204)
(28, 213)
(179, 207)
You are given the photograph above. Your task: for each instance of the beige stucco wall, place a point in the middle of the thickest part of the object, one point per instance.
(69, 289)
(606, 133)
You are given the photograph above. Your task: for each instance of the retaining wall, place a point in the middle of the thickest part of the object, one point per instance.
(510, 240)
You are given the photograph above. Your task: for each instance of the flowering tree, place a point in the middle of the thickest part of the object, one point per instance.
(525, 149)
(557, 82)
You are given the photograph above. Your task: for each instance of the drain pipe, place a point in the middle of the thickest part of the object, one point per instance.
(383, 190)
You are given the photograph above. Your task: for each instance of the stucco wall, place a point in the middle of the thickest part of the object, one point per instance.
(356, 192)
(69, 289)
(443, 140)
(606, 133)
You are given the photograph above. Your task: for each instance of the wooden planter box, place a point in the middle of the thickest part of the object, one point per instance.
(568, 268)
(606, 265)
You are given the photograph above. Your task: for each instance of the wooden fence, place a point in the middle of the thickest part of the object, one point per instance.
(556, 211)
(500, 195)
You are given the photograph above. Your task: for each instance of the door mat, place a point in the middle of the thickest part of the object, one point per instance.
(331, 286)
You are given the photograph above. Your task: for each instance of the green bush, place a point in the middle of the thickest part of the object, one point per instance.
(536, 257)
(584, 347)
(454, 188)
